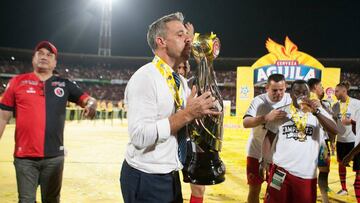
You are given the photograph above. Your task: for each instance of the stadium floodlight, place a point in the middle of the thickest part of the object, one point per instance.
(105, 1)
(104, 48)
(102, 2)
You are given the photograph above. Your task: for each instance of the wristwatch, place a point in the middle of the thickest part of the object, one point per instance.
(90, 102)
(316, 112)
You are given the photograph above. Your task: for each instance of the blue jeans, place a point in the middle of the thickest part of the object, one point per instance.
(32, 172)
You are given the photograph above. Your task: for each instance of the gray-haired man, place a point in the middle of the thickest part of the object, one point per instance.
(157, 110)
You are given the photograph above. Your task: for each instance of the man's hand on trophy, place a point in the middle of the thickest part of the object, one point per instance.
(307, 105)
(345, 120)
(198, 106)
(314, 104)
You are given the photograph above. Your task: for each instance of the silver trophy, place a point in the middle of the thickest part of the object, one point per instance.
(205, 167)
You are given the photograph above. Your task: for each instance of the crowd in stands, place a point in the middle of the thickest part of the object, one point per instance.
(71, 71)
(94, 72)
(226, 77)
(103, 89)
(354, 80)
(14, 67)
(3, 82)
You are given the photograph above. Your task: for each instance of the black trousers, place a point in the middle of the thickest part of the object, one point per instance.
(137, 186)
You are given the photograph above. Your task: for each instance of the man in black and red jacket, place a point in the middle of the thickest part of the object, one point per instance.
(39, 101)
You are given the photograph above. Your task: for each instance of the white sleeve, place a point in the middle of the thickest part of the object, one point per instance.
(253, 108)
(326, 113)
(357, 120)
(145, 129)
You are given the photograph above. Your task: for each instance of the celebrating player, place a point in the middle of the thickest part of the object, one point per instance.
(293, 175)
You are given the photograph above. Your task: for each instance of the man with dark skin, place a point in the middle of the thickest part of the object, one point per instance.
(293, 175)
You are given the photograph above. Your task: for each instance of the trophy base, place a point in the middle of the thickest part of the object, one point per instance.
(206, 168)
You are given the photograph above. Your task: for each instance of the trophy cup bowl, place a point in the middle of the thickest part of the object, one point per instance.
(304, 107)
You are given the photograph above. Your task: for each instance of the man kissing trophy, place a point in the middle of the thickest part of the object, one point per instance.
(205, 166)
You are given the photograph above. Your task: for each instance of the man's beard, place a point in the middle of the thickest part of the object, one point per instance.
(184, 57)
(186, 52)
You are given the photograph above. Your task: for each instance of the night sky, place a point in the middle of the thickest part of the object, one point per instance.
(319, 28)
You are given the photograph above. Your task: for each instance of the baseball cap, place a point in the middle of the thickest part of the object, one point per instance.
(47, 45)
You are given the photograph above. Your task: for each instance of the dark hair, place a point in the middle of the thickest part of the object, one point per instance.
(312, 82)
(297, 82)
(276, 78)
(345, 84)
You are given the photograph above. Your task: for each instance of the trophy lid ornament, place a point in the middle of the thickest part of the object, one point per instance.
(205, 45)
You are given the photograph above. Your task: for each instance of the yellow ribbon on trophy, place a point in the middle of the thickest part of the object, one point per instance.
(166, 71)
(300, 122)
(344, 106)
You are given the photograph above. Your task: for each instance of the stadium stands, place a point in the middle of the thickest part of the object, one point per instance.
(106, 78)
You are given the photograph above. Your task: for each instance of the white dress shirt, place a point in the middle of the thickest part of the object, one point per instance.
(151, 148)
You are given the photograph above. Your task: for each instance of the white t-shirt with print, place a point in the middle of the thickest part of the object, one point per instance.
(353, 107)
(299, 158)
(261, 105)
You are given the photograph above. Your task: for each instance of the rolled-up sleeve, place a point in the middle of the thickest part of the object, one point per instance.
(163, 129)
(145, 127)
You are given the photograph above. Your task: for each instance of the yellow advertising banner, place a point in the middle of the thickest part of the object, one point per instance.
(283, 59)
(244, 89)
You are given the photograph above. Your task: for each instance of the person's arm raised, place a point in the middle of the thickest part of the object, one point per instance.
(325, 119)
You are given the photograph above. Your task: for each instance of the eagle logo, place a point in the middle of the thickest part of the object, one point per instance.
(287, 52)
